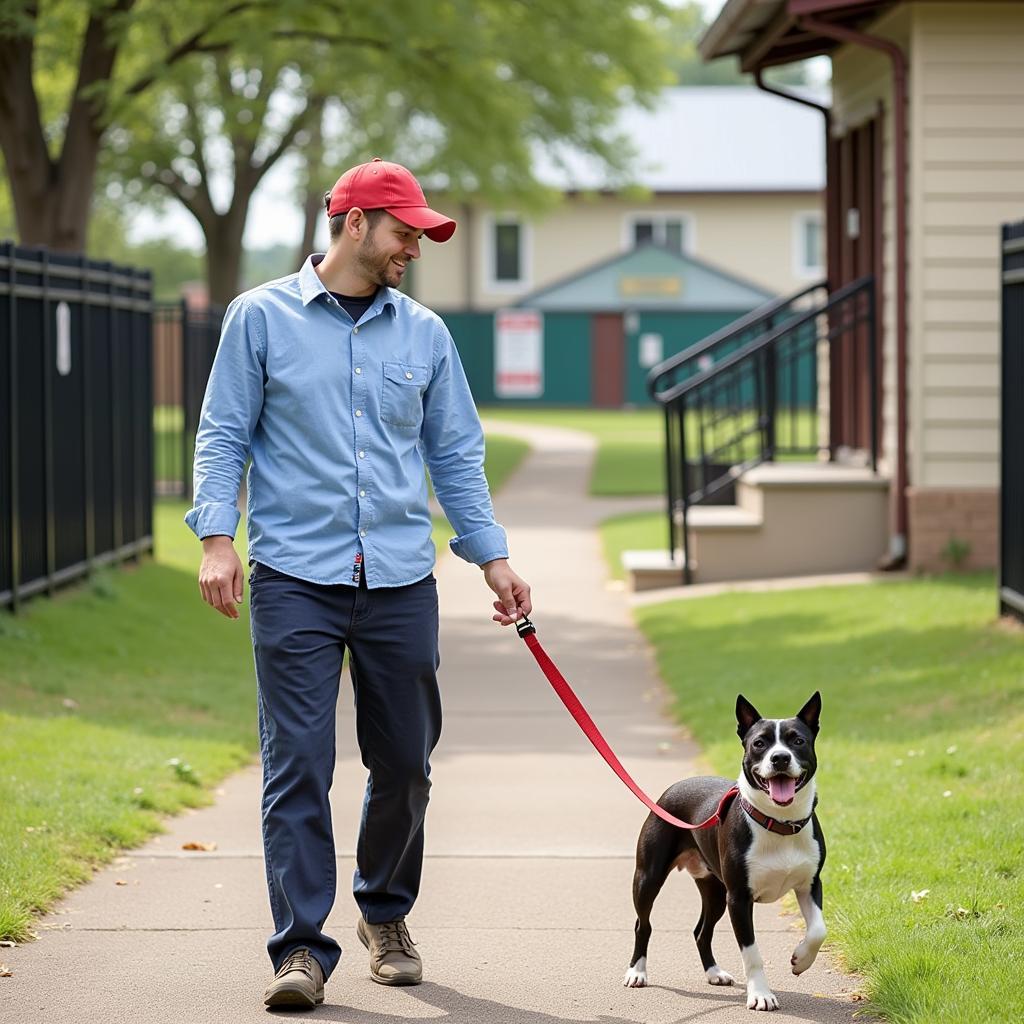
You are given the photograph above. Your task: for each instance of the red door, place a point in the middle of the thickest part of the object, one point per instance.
(608, 360)
(858, 240)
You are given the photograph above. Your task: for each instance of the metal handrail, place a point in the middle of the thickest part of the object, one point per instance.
(756, 365)
(724, 334)
(834, 299)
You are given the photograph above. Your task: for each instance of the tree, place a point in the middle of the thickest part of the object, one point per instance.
(71, 68)
(51, 154)
(474, 85)
(217, 118)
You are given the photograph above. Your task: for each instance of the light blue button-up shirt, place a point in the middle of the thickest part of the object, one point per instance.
(339, 418)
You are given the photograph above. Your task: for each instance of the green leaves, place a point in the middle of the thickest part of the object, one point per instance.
(201, 99)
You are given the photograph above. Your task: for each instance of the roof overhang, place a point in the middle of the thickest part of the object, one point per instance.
(762, 33)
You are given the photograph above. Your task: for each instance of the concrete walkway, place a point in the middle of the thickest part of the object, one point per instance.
(525, 915)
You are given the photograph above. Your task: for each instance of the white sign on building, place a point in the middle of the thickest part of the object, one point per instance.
(652, 349)
(518, 353)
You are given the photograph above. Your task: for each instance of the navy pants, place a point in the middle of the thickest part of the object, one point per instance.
(300, 632)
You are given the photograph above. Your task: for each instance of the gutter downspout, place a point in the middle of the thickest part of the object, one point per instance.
(775, 90)
(898, 514)
(827, 112)
(832, 215)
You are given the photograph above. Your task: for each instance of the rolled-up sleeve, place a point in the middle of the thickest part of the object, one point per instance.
(231, 409)
(452, 442)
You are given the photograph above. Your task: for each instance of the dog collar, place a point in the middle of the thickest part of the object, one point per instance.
(782, 828)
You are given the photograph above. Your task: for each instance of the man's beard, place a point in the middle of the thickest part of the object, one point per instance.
(375, 266)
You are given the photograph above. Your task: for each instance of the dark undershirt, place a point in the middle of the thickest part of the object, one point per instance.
(355, 305)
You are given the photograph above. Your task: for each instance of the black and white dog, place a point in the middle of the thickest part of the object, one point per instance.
(767, 843)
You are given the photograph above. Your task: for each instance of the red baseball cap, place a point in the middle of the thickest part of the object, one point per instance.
(379, 185)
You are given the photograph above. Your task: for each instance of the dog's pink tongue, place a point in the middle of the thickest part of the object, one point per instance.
(782, 789)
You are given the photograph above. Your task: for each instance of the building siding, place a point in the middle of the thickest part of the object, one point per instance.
(749, 235)
(967, 178)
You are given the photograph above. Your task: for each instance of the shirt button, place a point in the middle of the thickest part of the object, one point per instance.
(408, 376)
(355, 330)
(362, 494)
(359, 412)
(362, 533)
(359, 369)
(362, 455)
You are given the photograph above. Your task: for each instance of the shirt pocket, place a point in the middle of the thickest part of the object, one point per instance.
(401, 402)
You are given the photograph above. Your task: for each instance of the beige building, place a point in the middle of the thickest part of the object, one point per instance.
(718, 185)
(925, 159)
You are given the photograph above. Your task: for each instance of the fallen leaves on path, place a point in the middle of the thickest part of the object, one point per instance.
(5, 971)
(205, 847)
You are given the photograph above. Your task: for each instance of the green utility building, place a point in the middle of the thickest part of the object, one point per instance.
(590, 339)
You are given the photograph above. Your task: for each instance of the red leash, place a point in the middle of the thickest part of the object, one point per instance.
(527, 631)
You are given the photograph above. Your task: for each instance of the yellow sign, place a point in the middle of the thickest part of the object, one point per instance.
(650, 286)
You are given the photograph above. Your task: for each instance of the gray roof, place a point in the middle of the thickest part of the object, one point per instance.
(648, 277)
(711, 139)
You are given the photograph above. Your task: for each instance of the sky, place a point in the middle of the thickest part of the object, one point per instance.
(274, 215)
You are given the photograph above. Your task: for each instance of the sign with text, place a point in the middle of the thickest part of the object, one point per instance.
(518, 353)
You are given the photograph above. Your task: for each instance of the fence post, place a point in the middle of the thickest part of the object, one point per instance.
(1011, 462)
(88, 489)
(48, 431)
(12, 385)
(115, 419)
(186, 369)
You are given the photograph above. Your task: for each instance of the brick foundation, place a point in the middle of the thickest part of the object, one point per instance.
(939, 516)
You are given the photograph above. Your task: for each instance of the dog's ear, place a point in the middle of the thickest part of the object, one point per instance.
(746, 715)
(811, 712)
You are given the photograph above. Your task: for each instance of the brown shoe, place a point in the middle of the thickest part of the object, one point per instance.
(299, 984)
(393, 958)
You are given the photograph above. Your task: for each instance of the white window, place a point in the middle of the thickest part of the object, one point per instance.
(506, 242)
(672, 230)
(809, 244)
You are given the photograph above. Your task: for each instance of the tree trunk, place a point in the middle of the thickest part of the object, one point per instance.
(313, 207)
(224, 259)
(52, 203)
(313, 212)
(52, 199)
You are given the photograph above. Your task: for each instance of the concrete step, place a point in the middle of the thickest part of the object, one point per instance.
(791, 519)
(652, 570)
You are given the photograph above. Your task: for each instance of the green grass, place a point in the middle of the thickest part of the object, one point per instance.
(921, 770)
(633, 531)
(631, 442)
(100, 688)
(168, 454)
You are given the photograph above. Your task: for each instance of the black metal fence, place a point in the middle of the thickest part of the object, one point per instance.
(75, 418)
(1011, 530)
(184, 343)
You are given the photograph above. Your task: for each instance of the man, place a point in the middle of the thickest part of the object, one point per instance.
(340, 388)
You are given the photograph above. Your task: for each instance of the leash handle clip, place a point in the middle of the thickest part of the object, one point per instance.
(525, 628)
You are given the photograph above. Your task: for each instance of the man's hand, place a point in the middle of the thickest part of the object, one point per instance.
(220, 575)
(513, 593)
